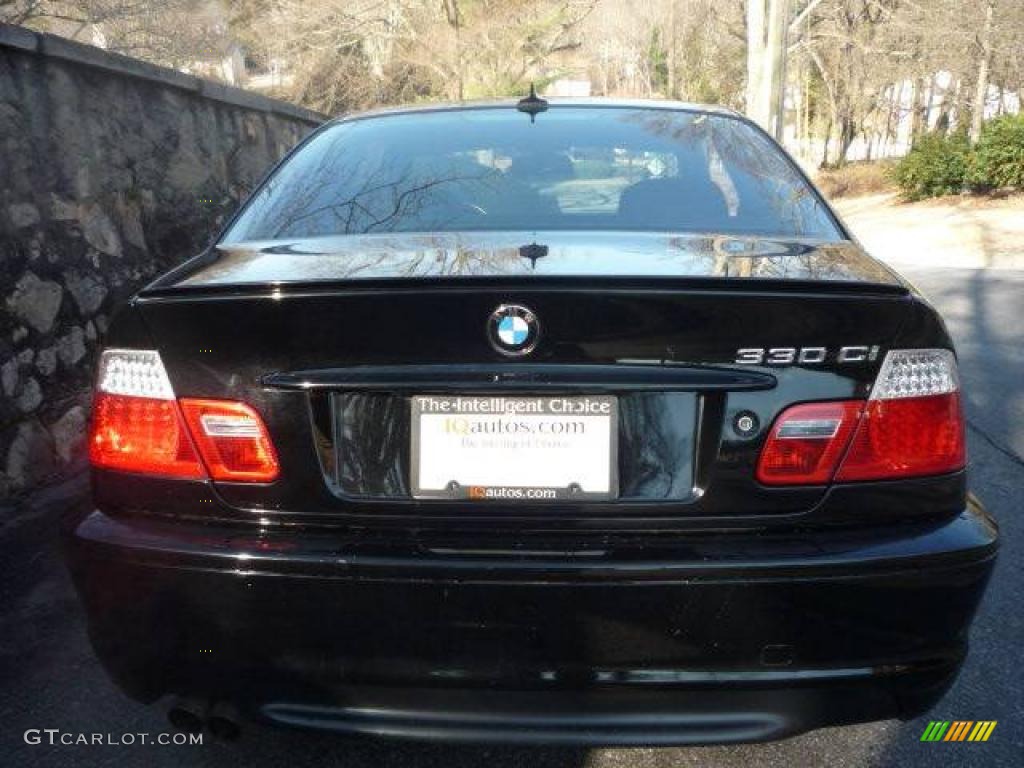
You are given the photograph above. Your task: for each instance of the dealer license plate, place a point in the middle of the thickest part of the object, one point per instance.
(514, 448)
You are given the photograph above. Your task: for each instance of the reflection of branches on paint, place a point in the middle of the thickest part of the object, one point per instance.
(450, 258)
(823, 261)
(455, 259)
(757, 257)
(472, 261)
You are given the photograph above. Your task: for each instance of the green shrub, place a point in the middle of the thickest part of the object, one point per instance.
(936, 165)
(999, 154)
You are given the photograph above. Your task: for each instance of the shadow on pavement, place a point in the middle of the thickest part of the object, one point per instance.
(984, 310)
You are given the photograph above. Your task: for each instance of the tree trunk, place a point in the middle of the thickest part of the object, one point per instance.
(807, 108)
(766, 55)
(451, 9)
(945, 107)
(755, 19)
(673, 92)
(928, 101)
(824, 151)
(833, 107)
(984, 62)
(775, 58)
(847, 133)
(915, 113)
(894, 99)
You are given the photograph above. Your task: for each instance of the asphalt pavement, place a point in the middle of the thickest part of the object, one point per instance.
(50, 680)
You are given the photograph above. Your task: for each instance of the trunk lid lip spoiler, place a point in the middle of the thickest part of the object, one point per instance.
(624, 376)
(296, 289)
(804, 262)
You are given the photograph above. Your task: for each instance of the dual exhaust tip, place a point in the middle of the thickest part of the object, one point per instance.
(220, 719)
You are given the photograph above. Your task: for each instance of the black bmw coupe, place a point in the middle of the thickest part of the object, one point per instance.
(582, 422)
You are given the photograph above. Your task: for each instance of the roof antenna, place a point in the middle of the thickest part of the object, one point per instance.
(533, 251)
(532, 105)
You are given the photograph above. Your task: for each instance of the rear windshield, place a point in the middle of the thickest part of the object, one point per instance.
(574, 168)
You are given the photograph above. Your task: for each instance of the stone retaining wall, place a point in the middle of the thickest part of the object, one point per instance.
(111, 171)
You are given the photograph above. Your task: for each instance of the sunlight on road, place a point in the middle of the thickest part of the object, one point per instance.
(948, 232)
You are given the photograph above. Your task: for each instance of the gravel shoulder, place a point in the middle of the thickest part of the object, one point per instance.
(965, 232)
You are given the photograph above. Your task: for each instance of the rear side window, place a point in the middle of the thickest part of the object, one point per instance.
(574, 168)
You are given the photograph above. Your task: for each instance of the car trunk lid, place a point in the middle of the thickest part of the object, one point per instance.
(332, 359)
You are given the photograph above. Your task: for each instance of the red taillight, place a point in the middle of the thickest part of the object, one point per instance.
(138, 426)
(232, 440)
(906, 438)
(911, 426)
(806, 443)
(141, 434)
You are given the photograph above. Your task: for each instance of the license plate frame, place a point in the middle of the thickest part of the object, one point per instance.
(591, 458)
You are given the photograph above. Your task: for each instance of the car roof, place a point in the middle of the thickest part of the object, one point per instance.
(606, 103)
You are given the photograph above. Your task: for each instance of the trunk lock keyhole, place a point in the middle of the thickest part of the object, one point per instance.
(746, 424)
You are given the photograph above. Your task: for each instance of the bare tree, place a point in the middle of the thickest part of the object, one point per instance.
(767, 21)
(984, 63)
(855, 72)
(174, 33)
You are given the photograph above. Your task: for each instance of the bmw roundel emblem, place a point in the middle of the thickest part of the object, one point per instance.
(513, 329)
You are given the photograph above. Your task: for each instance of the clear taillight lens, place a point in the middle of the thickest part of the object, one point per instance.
(138, 426)
(912, 425)
(916, 373)
(133, 372)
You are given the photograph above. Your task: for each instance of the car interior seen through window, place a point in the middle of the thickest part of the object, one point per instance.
(572, 169)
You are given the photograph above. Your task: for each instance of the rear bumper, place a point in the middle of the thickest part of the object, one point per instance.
(714, 639)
